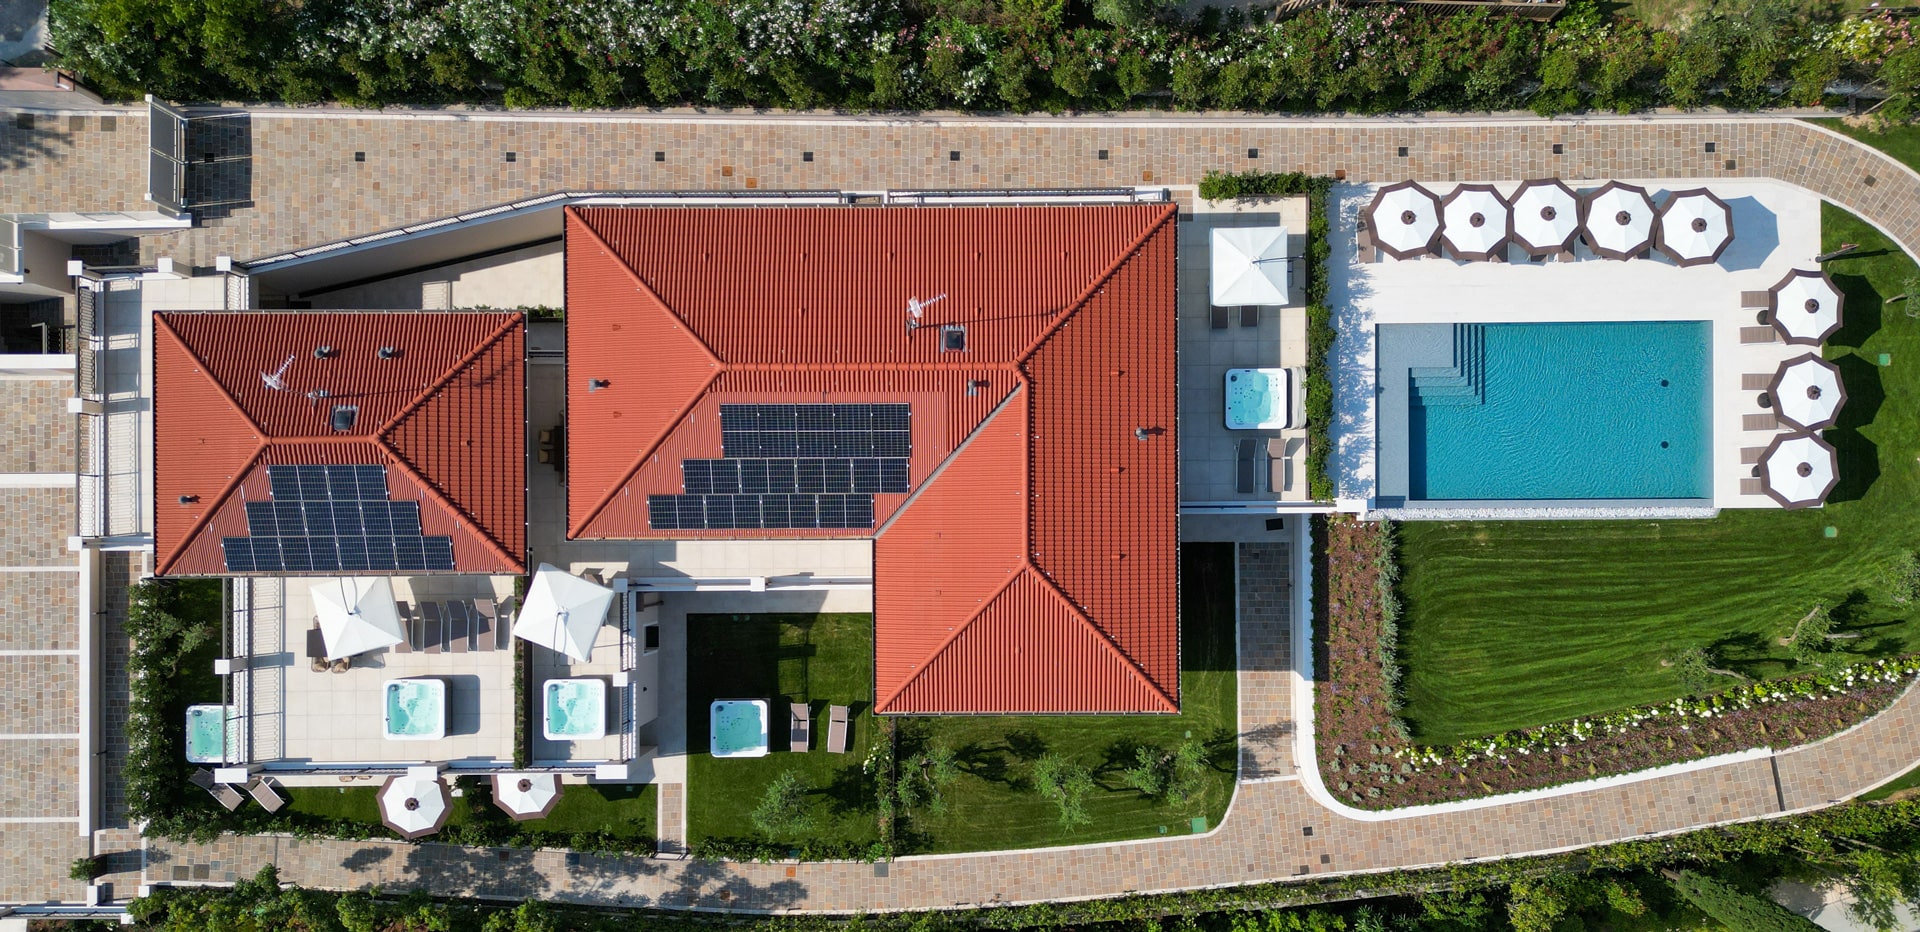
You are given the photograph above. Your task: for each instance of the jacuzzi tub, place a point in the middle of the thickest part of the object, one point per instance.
(575, 710)
(416, 709)
(211, 729)
(739, 728)
(1261, 399)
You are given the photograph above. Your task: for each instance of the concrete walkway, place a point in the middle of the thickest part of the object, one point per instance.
(1273, 831)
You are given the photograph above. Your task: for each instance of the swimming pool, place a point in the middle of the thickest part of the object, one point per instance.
(1564, 411)
(576, 710)
(739, 728)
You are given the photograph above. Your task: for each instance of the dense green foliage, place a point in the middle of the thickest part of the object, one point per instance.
(1512, 624)
(1017, 55)
(174, 627)
(1220, 186)
(1737, 910)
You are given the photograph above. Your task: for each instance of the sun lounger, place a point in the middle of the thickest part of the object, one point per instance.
(316, 648)
(1280, 459)
(838, 730)
(1753, 487)
(485, 620)
(1751, 455)
(1249, 315)
(1246, 463)
(406, 626)
(1755, 381)
(431, 632)
(457, 627)
(1758, 335)
(201, 778)
(1216, 318)
(1765, 421)
(799, 727)
(1756, 299)
(263, 793)
(503, 626)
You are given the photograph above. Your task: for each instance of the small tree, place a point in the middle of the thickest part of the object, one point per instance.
(1177, 777)
(1698, 668)
(925, 776)
(1900, 581)
(783, 807)
(84, 869)
(1734, 909)
(1066, 783)
(1812, 637)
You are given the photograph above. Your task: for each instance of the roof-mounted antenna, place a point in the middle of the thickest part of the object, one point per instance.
(277, 381)
(916, 308)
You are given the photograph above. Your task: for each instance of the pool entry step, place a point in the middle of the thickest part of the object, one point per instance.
(1462, 384)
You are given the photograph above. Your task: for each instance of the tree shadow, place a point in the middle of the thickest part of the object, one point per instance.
(365, 857)
(1026, 745)
(714, 885)
(453, 870)
(986, 764)
(21, 145)
(1862, 311)
(849, 791)
(1744, 653)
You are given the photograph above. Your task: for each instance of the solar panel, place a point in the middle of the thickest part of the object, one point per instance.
(823, 430)
(331, 519)
(755, 512)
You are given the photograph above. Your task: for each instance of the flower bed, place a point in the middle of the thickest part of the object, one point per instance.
(1367, 760)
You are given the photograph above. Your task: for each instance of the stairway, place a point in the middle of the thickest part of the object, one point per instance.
(1462, 384)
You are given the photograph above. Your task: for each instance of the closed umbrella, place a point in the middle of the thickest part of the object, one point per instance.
(1695, 227)
(1618, 220)
(1405, 220)
(1473, 222)
(1799, 470)
(1807, 392)
(1806, 307)
(1546, 216)
(1249, 265)
(563, 612)
(413, 807)
(526, 795)
(357, 614)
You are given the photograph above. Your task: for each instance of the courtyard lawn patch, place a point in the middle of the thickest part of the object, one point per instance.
(1900, 142)
(821, 660)
(1515, 624)
(993, 804)
(620, 811)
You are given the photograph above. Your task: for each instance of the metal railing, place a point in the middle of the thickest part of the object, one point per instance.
(107, 452)
(9, 246)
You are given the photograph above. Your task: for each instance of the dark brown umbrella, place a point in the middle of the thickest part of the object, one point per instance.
(1404, 219)
(414, 808)
(1807, 392)
(526, 796)
(1617, 220)
(1694, 227)
(1806, 307)
(1799, 470)
(1475, 222)
(1545, 216)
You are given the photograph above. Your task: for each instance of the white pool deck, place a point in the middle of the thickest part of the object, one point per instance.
(1777, 228)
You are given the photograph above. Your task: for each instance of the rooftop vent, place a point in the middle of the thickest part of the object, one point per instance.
(344, 416)
(953, 338)
(322, 352)
(594, 385)
(189, 499)
(388, 352)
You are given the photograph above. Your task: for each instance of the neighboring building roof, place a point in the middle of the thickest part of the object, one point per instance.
(437, 408)
(1029, 563)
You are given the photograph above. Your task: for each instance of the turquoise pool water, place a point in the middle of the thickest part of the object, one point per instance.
(416, 709)
(739, 728)
(208, 728)
(1566, 411)
(576, 710)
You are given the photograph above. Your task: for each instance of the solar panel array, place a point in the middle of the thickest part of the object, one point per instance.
(334, 519)
(793, 466)
(728, 512)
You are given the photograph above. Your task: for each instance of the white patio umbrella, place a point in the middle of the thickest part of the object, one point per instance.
(526, 795)
(1249, 265)
(1807, 392)
(1618, 220)
(357, 614)
(1546, 216)
(1806, 307)
(1799, 470)
(413, 807)
(563, 612)
(1474, 222)
(1405, 220)
(1695, 227)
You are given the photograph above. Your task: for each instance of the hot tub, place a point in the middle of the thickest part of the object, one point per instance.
(416, 709)
(739, 728)
(211, 730)
(576, 710)
(1261, 399)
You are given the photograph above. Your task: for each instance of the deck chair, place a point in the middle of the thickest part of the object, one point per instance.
(485, 620)
(1765, 421)
(457, 627)
(1751, 455)
(1216, 318)
(264, 794)
(1280, 458)
(316, 648)
(1249, 315)
(838, 730)
(406, 627)
(1756, 299)
(1753, 487)
(1751, 335)
(1564, 255)
(799, 727)
(225, 794)
(430, 627)
(503, 625)
(1755, 381)
(1246, 464)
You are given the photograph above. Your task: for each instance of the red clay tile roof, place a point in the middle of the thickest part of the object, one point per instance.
(1040, 535)
(446, 417)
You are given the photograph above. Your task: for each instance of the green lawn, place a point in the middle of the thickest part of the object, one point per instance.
(829, 658)
(1512, 624)
(620, 810)
(1901, 142)
(821, 660)
(1905, 781)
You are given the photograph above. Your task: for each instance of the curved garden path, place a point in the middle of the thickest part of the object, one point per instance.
(307, 188)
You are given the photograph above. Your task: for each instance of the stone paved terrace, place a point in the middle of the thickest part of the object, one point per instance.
(307, 189)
